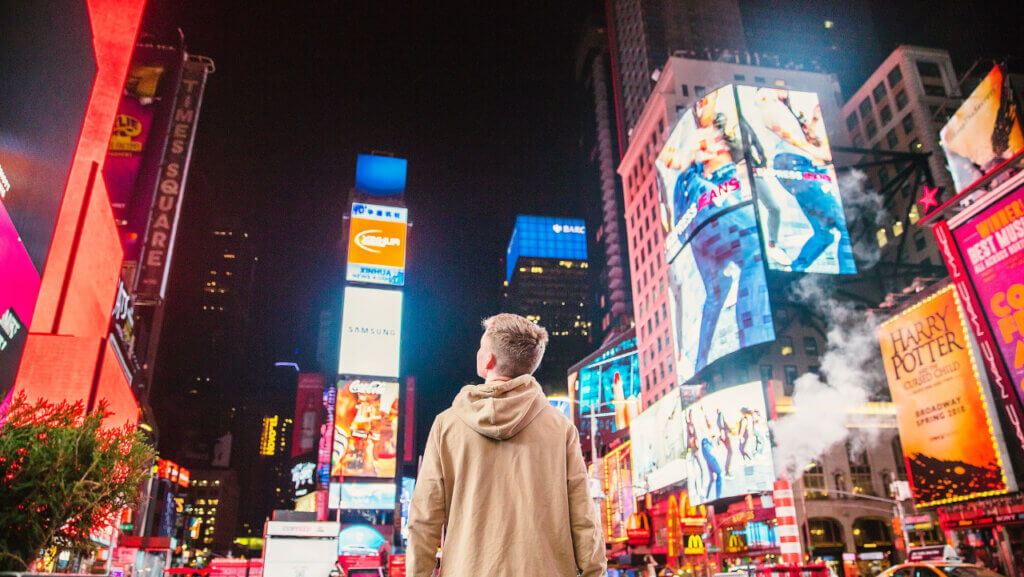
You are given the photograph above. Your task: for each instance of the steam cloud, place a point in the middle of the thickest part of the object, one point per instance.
(850, 372)
(865, 211)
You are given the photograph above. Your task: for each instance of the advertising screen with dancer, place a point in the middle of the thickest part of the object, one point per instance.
(797, 189)
(365, 429)
(728, 452)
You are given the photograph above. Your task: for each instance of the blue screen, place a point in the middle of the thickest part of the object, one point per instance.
(611, 383)
(546, 237)
(380, 175)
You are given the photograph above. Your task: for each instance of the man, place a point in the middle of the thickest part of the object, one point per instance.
(503, 475)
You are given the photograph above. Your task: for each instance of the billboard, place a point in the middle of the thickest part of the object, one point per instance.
(952, 451)
(308, 399)
(984, 131)
(376, 244)
(657, 445)
(365, 496)
(611, 382)
(728, 450)
(718, 292)
(17, 299)
(303, 478)
(405, 500)
(365, 429)
(618, 487)
(380, 175)
(992, 245)
(701, 168)
(545, 237)
(797, 190)
(371, 328)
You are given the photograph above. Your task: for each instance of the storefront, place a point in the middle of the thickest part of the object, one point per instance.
(988, 532)
(745, 534)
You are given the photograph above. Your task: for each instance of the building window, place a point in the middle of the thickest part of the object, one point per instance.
(928, 69)
(901, 100)
(851, 121)
(865, 108)
(870, 128)
(826, 532)
(699, 91)
(811, 346)
(766, 373)
(914, 215)
(760, 80)
(891, 139)
(791, 376)
(897, 229)
(786, 346)
(915, 145)
(739, 77)
(882, 236)
(860, 471)
(934, 90)
(879, 93)
(895, 75)
(885, 113)
(814, 482)
(919, 242)
(858, 141)
(908, 124)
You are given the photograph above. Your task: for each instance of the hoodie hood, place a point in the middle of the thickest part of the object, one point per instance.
(500, 409)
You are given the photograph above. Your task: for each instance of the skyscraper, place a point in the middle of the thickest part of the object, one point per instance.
(547, 282)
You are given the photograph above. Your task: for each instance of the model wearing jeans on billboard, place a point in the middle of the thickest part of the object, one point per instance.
(800, 160)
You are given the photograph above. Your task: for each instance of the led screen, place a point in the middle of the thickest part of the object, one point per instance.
(992, 244)
(984, 131)
(728, 451)
(718, 294)
(657, 445)
(366, 496)
(376, 246)
(611, 383)
(949, 444)
(619, 503)
(17, 299)
(562, 405)
(408, 486)
(371, 327)
(360, 540)
(701, 168)
(365, 429)
(797, 190)
(546, 237)
(380, 175)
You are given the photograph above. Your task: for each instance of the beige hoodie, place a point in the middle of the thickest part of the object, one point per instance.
(504, 472)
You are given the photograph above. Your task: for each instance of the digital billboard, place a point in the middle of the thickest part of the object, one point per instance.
(992, 245)
(718, 293)
(659, 455)
(365, 429)
(17, 299)
(376, 245)
(380, 175)
(308, 406)
(798, 193)
(611, 382)
(303, 477)
(371, 328)
(405, 500)
(728, 449)
(365, 496)
(984, 131)
(545, 237)
(952, 451)
(619, 503)
(701, 168)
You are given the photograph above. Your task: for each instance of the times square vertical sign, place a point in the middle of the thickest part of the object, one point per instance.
(163, 219)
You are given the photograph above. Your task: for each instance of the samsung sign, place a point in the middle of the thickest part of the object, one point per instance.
(371, 330)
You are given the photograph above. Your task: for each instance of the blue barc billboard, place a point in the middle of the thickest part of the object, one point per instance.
(546, 237)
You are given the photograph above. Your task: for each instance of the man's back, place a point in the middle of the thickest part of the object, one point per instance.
(503, 470)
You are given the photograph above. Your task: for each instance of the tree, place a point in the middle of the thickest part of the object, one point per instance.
(63, 474)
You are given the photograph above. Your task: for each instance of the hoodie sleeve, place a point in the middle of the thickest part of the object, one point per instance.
(587, 538)
(426, 511)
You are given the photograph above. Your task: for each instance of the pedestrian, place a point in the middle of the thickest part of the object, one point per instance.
(503, 474)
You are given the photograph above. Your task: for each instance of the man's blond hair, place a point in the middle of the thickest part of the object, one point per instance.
(517, 343)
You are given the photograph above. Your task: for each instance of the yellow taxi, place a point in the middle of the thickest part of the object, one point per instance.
(937, 561)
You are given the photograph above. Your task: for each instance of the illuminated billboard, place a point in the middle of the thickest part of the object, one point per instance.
(365, 429)
(984, 131)
(992, 245)
(619, 504)
(952, 451)
(727, 444)
(701, 168)
(17, 299)
(545, 237)
(380, 175)
(303, 478)
(718, 293)
(659, 455)
(371, 327)
(797, 190)
(405, 500)
(376, 244)
(364, 496)
(611, 382)
(308, 406)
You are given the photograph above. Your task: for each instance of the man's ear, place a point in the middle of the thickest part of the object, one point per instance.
(491, 361)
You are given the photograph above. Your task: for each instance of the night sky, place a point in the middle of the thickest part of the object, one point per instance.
(479, 96)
